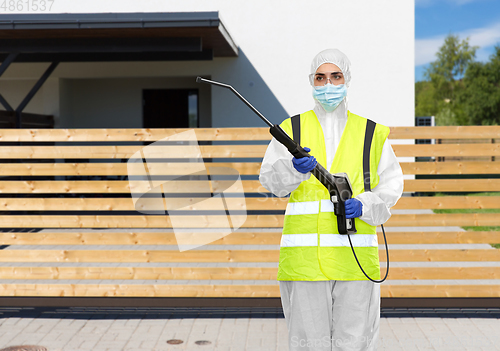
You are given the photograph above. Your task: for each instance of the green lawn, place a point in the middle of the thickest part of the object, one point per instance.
(487, 210)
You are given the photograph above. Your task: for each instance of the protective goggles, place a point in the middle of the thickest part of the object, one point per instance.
(322, 78)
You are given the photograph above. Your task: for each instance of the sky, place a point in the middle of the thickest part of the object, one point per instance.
(479, 20)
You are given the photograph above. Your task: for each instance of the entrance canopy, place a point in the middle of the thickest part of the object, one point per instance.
(101, 37)
(91, 37)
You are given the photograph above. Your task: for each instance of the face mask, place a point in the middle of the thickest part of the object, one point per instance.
(330, 96)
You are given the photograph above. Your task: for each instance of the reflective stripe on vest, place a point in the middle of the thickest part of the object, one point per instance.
(302, 208)
(310, 226)
(358, 240)
(308, 207)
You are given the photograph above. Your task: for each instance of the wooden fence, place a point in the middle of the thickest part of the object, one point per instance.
(70, 228)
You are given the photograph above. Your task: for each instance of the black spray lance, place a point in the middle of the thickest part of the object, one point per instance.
(338, 185)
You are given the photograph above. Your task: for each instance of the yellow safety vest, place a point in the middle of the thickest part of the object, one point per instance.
(311, 247)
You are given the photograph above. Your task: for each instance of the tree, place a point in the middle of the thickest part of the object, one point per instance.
(453, 58)
(426, 103)
(445, 76)
(480, 97)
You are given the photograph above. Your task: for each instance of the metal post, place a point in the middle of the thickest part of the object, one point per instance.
(3, 67)
(6, 63)
(32, 92)
(5, 104)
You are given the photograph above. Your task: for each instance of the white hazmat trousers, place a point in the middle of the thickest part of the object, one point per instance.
(331, 315)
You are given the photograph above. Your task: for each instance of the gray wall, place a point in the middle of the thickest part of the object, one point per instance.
(117, 102)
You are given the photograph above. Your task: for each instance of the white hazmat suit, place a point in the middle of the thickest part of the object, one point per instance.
(333, 315)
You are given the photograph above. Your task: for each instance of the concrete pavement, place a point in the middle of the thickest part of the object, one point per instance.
(230, 329)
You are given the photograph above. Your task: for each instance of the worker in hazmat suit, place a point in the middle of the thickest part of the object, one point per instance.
(328, 302)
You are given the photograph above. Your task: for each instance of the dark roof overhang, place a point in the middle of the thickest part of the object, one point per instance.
(88, 37)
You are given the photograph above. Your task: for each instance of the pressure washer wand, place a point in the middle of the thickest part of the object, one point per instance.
(338, 186)
(213, 82)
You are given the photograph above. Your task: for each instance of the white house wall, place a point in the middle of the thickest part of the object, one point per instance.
(277, 40)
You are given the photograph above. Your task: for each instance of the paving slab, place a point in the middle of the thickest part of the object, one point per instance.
(231, 329)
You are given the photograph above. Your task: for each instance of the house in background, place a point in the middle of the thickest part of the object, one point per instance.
(131, 69)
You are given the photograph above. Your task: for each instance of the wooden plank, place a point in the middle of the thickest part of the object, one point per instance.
(442, 132)
(121, 152)
(438, 273)
(126, 204)
(216, 221)
(447, 255)
(239, 238)
(450, 167)
(251, 204)
(67, 204)
(445, 132)
(118, 169)
(139, 256)
(452, 185)
(131, 134)
(227, 273)
(132, 238)
(68, 187)
(447, 150)
(140, 273)
(157, 290)
(139, 290)
(220, 151)
(249, 186)
(468, 237)
(243, 168)
(140, 221)
(448, 202)
(440, 290)
(444, 219)
(116, 186)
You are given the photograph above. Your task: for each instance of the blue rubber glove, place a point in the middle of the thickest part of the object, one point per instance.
(353, 208)
(304, 164)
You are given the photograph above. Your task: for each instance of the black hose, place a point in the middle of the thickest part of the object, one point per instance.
(387, 252)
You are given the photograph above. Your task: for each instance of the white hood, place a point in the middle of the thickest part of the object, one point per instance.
(333, 123)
